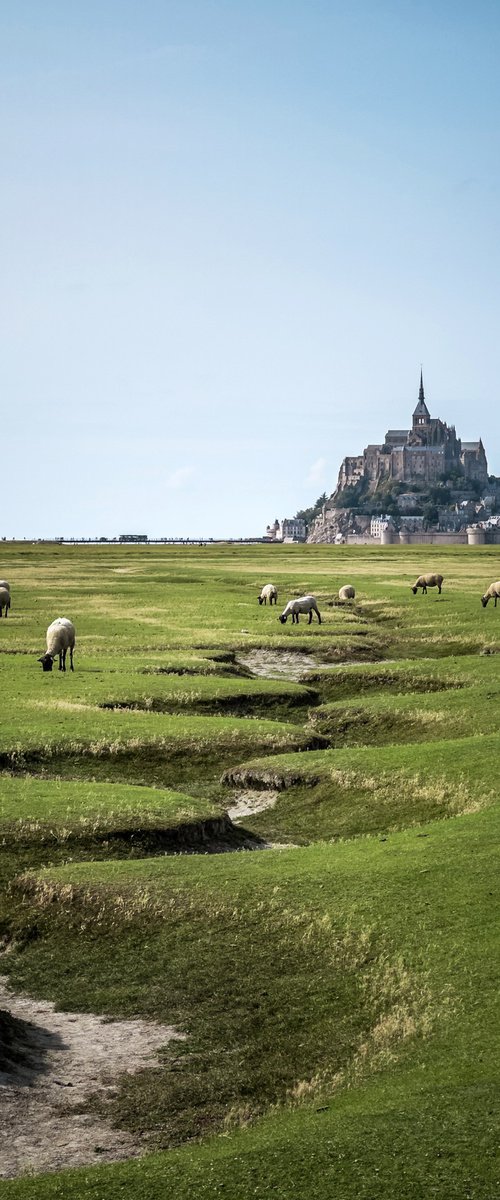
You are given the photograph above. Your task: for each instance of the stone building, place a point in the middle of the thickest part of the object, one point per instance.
(377, 524)
(291, 529)
(425, 454)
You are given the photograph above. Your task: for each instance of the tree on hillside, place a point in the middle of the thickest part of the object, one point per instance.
(309, 514)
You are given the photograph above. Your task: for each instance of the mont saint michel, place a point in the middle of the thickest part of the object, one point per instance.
(429, 452)
(420, 479)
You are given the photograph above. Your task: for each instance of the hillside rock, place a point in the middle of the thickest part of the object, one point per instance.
(334, 523)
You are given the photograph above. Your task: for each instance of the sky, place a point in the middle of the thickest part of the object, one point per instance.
(232, 231)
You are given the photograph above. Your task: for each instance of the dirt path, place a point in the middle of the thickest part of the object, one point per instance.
(68, 1057)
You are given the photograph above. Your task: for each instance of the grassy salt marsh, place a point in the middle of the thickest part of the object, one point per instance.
(338, 996)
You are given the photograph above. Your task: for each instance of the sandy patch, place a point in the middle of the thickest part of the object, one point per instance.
(250, 801)
(69, 1056)
(282, 846)
(278, 664)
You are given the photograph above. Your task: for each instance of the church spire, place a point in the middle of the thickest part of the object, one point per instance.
(421, 414)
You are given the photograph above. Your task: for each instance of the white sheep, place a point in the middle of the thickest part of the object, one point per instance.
(493, 593)
(347, 592)
(425, 581)
(60, 638)
(305, 604)
(269, 592)
(4, 599)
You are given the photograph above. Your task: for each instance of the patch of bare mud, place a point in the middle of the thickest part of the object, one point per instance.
(250, 801)
(281, 846)
(278, 664)
(64, 1059)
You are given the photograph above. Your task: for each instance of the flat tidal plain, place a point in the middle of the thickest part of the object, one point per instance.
(329, 958)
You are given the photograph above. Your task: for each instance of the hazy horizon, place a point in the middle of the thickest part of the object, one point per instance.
(232, 234)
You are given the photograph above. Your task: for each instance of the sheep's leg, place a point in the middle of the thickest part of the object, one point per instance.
(62, 660)
(496, 598)
(439, 589)
(319, 618)
(71, 658)
(310, 617)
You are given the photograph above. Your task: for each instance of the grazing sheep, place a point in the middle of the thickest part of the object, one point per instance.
(347, 592)
(4, 599)
(60, 638)
(425, 581)
(4, 584)
(493, 593)
(269, 592)
(305, 604)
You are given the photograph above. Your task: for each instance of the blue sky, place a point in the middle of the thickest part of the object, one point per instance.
(231, 234)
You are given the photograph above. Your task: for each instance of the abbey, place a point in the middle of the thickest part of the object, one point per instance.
(425, 454)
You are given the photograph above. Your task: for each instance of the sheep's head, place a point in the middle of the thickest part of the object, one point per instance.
(261, 599)
(484, 601)
(414, 590)
(47, 662)
(282, 618)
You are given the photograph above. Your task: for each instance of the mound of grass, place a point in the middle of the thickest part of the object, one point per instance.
(121, 684)
(371, 790)
(66, 729)
(320, 980)
(402, 704)
(121, 724)
(56, 820)
(419, 677)
(34, 810)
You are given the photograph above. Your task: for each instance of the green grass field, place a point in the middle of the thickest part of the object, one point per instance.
(339, 985)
